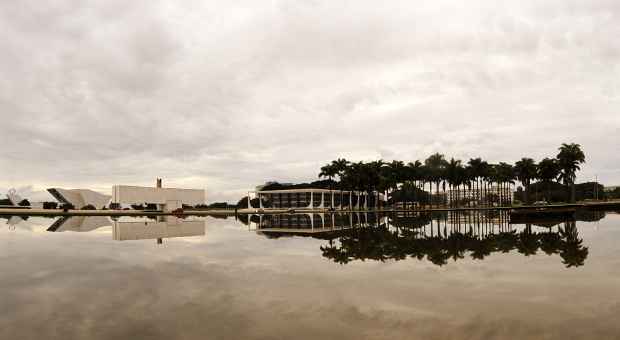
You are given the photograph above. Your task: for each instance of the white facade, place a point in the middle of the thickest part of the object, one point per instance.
(80, 197)
(167, 199)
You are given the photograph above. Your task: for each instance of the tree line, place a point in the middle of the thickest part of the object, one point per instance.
(476, 181)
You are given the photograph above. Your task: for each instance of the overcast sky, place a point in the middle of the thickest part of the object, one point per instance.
(228, 95)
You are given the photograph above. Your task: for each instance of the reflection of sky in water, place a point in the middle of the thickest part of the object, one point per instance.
(233, 283)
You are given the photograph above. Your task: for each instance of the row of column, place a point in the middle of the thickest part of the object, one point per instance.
(322, 205)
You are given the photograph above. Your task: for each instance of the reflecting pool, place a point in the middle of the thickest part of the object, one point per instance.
(308, 276)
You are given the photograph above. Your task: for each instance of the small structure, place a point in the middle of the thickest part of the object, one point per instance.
(312, 199)
(13, 197)
(79, 198)
(166, 199)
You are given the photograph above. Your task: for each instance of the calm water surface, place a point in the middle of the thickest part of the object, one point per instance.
(292, 277)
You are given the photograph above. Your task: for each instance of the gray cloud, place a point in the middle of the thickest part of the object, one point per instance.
(230, 95)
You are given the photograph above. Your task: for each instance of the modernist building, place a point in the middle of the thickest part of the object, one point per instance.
(312, 199)
(80, 197)
(166, 199)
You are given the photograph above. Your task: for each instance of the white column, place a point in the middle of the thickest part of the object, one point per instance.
(322, 205)
(350, 200)
(366, 201)
(249, 205)
(311, 200)
(260, 202)
(332, 205)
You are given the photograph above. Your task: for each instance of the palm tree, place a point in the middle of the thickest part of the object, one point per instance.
(340, 165)
(453, 176)
(414, 174)
(479, 171)
(526, 171)
(548, 171)
(436, 164)
(506, 176)
(569, 158)
(328, 171)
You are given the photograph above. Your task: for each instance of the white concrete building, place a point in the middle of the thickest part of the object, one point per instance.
(80, 197)
(166, 199)
(314, 199)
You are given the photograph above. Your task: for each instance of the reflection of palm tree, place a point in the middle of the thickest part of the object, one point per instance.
(528, 241)
(550, 242)
(383, 243)
(573, 253)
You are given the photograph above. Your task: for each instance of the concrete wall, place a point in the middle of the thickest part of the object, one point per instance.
(126, 194)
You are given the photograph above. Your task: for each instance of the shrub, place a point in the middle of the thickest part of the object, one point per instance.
(89, 207)
(50, 205)
(24, 203)
(67, 206)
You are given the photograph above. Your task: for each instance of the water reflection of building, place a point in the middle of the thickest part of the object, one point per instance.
(159, 228)
(163, 227)
(80, 223)
(309, 223)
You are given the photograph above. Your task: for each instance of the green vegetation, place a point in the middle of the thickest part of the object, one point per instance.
(475, 183)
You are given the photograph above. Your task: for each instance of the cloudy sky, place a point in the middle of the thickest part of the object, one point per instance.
(228, 95)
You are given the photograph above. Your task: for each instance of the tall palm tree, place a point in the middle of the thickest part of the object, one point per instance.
(548, 171)
(415, 175)
(436, 164)
(329, 171)
(453, 176)
(340, 165)
(506, 174)
(526, 170)
(569, 158)
(479, 171)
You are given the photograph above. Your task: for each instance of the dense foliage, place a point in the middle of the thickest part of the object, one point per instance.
(426, 182)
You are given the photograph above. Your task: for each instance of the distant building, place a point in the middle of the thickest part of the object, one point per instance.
(79, 198)
(14, 197)
(166, 199)
(611, 188)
